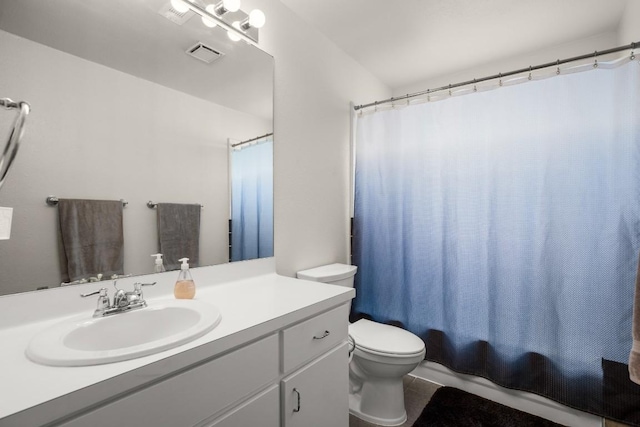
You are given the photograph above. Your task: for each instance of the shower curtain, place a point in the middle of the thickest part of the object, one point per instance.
(252, 201)
(503, 228)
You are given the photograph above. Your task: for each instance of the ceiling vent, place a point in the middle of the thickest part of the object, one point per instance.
(204, 53)
(173, 15)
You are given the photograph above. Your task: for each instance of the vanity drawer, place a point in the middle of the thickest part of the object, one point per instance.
(313, 337)
(195, 395)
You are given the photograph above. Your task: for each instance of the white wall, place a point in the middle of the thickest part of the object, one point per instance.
(314, 83)
(629, 29)
(108, 135)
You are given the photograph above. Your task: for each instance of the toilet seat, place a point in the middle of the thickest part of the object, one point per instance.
(385, 340)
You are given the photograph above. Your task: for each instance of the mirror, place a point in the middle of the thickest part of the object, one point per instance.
(121, 111)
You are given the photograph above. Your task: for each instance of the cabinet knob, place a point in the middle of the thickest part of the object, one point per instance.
(297, 409)
(326, 334)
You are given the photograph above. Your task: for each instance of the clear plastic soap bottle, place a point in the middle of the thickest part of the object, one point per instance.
(159, 267)
(185, 287)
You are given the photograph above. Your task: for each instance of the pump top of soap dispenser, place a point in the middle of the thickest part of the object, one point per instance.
(159, 267)
(185, 288)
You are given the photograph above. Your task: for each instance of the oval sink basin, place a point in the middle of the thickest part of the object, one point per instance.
(82, 341)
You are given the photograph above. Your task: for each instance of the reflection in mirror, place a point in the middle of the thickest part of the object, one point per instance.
(252, 198)
(120, 111)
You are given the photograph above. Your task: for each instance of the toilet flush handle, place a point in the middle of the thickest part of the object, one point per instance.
(326, 334)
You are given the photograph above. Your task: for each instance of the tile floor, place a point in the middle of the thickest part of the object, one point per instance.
(417, 393)
(609, 423)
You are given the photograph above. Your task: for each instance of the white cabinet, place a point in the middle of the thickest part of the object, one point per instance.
(296, 376)
(313, 337)
(263, 410)
(192, 396)
(316, 395)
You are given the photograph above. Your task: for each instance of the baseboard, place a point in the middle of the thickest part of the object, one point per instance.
(527, 402)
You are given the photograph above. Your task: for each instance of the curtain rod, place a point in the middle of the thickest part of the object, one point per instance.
(251, 140)
(500, 75)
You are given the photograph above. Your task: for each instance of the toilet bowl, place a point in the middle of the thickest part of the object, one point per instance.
(382, 355)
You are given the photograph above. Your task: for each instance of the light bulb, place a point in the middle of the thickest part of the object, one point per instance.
(208, 21)
(233, 36)
(257, 18)
(179, 6)
(231, 5)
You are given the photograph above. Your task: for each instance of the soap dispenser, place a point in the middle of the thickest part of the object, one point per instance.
(185, 287)
(159, 267)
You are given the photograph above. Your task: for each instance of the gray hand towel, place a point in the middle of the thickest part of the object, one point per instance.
(91, 238)
(634, 357)
(179, 233)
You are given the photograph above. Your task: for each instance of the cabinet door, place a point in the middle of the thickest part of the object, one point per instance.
(317, 395)
(186, 399)
(263, 411)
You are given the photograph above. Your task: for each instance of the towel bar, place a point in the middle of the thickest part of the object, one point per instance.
(53, 201)
(154, 205)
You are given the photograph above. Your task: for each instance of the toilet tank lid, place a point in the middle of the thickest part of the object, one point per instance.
(328, 273)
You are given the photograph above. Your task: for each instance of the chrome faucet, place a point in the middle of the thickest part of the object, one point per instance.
(122, 301)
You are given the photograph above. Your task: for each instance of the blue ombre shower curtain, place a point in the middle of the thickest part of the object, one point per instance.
(252, 201)
(503, 228)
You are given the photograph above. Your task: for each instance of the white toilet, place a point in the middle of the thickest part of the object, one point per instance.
(383, 354)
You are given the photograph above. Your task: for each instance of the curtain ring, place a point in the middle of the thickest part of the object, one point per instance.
(375, 107)
(500, 81)
(407, 100)
(595, 56)
(633, 55)
(558, 67)
(529, 72)
(449, 89)
(475, 89)
(428, 96)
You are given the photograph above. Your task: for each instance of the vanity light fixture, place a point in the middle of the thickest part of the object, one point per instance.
(179, 6)
(226, 6)
(256, 19)
(232, 35)
(208, 21)
(212, 16)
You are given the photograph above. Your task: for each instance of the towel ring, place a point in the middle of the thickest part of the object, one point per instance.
(10, 150)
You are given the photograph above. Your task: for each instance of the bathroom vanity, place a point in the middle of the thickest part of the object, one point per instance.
(279, 357)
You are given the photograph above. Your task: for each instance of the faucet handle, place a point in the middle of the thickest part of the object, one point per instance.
(103, 300)
(137, 288)
(101, 291)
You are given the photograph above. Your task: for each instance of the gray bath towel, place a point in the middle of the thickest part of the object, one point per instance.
(634, 357)
(179, 233)
(91, 238)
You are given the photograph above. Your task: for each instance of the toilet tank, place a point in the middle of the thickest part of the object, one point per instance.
(334, 274)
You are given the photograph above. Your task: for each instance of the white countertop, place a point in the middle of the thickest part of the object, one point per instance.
(253, 301)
